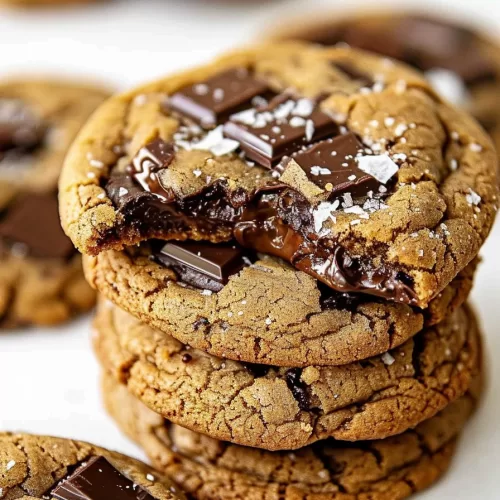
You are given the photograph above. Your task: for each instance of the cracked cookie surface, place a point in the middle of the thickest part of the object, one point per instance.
(41, 280)
(208, 469)
(32, 467)
(462, 63)
(282, 408)
(267, 314)
(429, 225)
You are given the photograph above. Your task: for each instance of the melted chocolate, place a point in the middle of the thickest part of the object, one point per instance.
(151, 159)
(299, 389)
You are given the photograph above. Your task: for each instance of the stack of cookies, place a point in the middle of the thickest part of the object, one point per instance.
(284, 241)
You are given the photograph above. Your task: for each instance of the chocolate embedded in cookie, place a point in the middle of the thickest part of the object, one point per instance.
(418, 202)
(393, 468)
(267, 313)
(461, 63)
(41, 280)
(39, 467)
(288, 408)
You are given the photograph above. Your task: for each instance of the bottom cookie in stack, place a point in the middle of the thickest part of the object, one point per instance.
(390, 469)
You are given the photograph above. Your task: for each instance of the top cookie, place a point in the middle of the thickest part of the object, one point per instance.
(39, 467)
(342, 163)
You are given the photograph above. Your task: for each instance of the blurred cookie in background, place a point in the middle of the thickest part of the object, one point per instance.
(462, 64)
(41, 280)
(44, 3)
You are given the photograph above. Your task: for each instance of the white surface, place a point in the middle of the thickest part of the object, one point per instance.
(49, 378)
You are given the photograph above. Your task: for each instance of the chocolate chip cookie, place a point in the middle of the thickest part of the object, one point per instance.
(269, 313)
(41, 280)
(39, 467)
(288, 408)
(346, 165)
(390, 469)
(461, 63)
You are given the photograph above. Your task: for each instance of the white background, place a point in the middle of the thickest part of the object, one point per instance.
(49, 378)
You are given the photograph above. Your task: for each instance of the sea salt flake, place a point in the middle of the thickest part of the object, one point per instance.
(201, 89)
(389, 121)
(197, 173)
(10, 465)
(150, 477)
(122, 191)
(316, 170)
(388, 359)
(324, 212)
(297, 121)
(216, 143)
(309, 130)
(304, 107)
(477, 148)
(381, 167)
(473, 198)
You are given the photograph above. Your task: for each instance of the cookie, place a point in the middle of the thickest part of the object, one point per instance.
(207, 469)
(41, 280)
(288, 408)
(39, 467)
(342, 163)
(269, 313)
(44, 3)
(462, 63)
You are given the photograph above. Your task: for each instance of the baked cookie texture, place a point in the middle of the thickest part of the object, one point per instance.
(428, 227)
(391, 469)
(288, 408)
(268, 314)
(462, 62)
(33, 467)
(41, 279)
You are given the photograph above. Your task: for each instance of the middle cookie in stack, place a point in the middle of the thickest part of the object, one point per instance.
(292, 232)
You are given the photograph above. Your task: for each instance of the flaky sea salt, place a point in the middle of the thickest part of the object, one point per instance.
(381, 167)
(388, 359)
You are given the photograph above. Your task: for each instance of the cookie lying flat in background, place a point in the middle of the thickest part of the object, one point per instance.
(41, 279)
(287, 408)
(44, 3)
(461, 62)
(390, 469)
(39, 467)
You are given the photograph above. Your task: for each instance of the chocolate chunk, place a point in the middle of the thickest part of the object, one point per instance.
(355, 74)
(332, 166)
(203, 265)
(299, 389)
(146, 164)
(31, 226)
(281, 128)
(258, 371)
(20, 129)
(212, 102)
(98, 480)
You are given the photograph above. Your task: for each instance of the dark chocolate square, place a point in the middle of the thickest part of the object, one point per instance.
(98, 480)
(211, 102)
(281, 128)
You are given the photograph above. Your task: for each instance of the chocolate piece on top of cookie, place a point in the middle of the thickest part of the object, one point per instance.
(212, 101)
(334, 165)
(31, 227)
(284, 126)
(203, 265)
(145, 166)
(97, 479)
